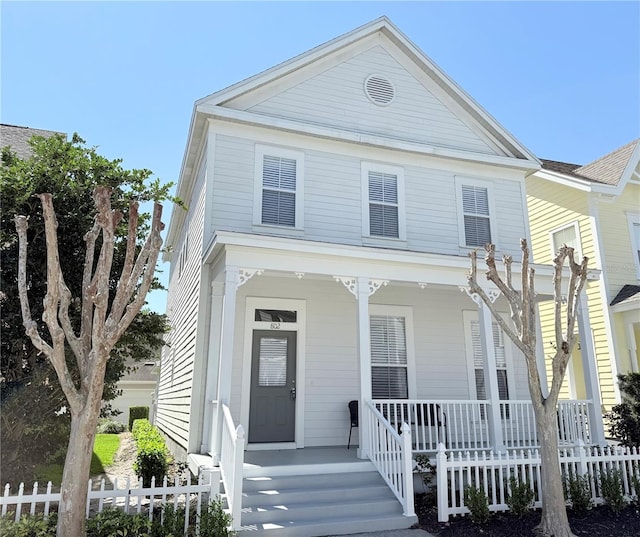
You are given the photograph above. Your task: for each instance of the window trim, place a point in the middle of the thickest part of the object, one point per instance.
(407, 313)
(633, 219)
(461, 181)
(468, 317)
(576, 226)
(365, 168)
(265, 150)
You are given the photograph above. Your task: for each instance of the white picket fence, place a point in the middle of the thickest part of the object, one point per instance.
(490, 472)
(133, 498)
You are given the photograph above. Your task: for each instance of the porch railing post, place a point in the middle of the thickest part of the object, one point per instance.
(238, 462)
(407, 470)
(441, 483)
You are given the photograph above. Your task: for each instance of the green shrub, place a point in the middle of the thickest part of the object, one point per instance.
(137, 413)
(577, 491)
(28, 526)
(214, 522)
(624, 419)
(520, 497)
(478, 504)
(152, 458)
(113, 522)
(611, 489)
(109, 426)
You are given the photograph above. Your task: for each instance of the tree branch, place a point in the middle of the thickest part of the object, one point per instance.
(87, 305)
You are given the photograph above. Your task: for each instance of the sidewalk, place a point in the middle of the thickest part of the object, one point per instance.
(394, 533)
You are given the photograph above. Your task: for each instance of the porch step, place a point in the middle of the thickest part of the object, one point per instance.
(320, 504)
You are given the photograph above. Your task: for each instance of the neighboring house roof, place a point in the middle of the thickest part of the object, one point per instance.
(18, 138)
(611, 169)
(629, 293)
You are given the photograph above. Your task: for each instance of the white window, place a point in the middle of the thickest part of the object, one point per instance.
(504, 373)
(279, 187)
(634, 232)
(476, 213)
(568, 235)
(184, 254)
(391, 353)
(383, 201)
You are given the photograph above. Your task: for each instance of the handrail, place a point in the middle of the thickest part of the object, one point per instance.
(231, 464)
(391, 455)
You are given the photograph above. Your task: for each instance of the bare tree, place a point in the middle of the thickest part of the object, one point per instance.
(554, 519)
(103, 321)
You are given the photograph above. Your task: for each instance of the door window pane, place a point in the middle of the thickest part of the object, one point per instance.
(272, 370)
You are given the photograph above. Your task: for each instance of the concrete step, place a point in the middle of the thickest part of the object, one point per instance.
(313, 505)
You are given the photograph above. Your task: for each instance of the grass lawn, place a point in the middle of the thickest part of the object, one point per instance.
(104, 449)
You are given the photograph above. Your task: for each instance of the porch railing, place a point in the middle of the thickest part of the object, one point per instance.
(463, 424)
(391, 454)
(231, 463)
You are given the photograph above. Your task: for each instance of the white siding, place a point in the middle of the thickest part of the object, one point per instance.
(331, 353)
(333, 201)
(336, 98)
(176, 374)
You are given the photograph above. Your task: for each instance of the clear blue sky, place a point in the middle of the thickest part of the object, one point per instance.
(562, 77)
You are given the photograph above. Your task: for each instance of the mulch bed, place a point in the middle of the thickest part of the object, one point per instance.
(597, 522)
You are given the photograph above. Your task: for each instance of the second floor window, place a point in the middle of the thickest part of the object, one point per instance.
(634, 233)
(383, 201)
(567, 235)
(477, 221)
(278, 187)
(383, 205)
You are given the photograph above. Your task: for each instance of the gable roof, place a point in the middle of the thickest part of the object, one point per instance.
(224, 105)
(628, 294)
(18, 138)
(613, 169)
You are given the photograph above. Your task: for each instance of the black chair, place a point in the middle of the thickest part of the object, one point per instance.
(353, 415)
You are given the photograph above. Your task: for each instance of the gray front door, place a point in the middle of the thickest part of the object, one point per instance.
(272, 409)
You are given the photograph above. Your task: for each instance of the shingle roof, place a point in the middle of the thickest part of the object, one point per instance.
(628, 293)
(18, 138)
(606, 170)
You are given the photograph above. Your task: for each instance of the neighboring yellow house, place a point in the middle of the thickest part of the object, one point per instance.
(596, 209)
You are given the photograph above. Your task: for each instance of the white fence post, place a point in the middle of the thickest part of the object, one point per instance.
(441, 483)
(582, 458)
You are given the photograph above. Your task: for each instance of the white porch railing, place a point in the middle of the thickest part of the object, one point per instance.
(391, 454)
(463, 424)
(231, 463)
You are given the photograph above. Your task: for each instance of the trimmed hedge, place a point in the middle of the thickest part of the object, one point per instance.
(137, 413)
(152, 459)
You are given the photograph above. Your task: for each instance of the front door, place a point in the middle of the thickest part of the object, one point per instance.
(273, 390)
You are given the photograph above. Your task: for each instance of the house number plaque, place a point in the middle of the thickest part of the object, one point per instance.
(275, 326)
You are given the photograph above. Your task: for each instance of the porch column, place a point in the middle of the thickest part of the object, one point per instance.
(227, 329)
(491, 377)
(590, 368)
(629, 321)
(540, 357)
(213, 354)
(364, 350)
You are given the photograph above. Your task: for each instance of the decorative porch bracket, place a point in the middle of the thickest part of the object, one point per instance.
(490, 368)
(244, 275)
(352, 284)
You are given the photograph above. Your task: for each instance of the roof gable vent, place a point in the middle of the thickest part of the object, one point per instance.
(379, 90)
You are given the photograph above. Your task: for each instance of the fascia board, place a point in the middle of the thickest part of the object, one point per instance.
(565, 180)
(297, 127)
(297, 62)
(626, 306)
(465, 100)
(225, 240)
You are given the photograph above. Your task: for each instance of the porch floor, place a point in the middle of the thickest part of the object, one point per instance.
(306, 461)
(292, 457)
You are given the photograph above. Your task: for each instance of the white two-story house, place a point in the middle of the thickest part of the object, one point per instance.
(332, 203)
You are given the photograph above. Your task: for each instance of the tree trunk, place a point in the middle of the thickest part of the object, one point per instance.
(77, 467)
(554, 521)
